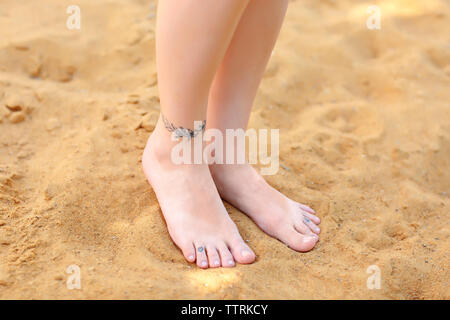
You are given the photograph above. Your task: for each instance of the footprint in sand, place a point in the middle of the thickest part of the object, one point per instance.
(337, 151)
(346, 131)
(360, 122)
(39, 59)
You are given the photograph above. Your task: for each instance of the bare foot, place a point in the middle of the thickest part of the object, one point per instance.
(195, 215)
(290, 222)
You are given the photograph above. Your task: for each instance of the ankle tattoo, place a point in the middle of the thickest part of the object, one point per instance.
(181, 132)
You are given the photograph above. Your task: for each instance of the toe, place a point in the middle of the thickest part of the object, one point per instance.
(312, 217)
(306, 208)
(298, 241)
(213, 256)
(241, 252)
(310, 213)
(202, 260)
(188, 252)
(301, 226)
(311, 225)
(226, 257)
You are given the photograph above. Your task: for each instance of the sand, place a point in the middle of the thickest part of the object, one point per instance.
(364, 119)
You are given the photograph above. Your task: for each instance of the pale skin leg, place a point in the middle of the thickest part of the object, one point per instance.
(230, 102)
(192, 39)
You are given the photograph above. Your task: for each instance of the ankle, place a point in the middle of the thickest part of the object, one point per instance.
(164, 149)
(160, 144)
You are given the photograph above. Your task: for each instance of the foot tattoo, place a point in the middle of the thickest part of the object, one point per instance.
(181, 132)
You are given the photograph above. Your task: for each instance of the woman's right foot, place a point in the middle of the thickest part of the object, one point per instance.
(195, 215)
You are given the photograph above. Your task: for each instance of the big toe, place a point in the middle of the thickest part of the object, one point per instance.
(241, 252)
(298, 241)
(188, 251)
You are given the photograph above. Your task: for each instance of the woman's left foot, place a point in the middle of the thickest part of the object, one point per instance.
(293, 223)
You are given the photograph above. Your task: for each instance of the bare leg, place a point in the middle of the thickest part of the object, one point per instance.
(230, 102)
(192, 39)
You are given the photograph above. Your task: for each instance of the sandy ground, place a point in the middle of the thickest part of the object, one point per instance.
(364, 118)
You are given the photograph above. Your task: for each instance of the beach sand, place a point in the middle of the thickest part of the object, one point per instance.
(364, 119)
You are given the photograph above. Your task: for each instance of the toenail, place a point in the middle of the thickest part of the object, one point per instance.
(230, 262)
(200, 249)
(204, 263)
(311, 237)
(191, 257)
(245, 253)
(216, 263)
